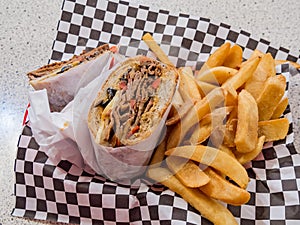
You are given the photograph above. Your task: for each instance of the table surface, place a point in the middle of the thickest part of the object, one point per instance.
(28, 29)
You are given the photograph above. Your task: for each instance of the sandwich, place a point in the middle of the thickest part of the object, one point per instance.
(61, 79)
(132, 102)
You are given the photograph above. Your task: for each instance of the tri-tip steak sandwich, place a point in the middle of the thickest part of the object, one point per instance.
(60, 79)
(132, 102)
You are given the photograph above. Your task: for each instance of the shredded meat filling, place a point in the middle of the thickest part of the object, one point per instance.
(134, 101)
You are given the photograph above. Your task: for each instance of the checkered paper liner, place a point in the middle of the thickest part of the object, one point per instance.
(49, 189)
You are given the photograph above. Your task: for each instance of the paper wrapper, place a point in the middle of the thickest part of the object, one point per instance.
(52, 189)
(118, 163)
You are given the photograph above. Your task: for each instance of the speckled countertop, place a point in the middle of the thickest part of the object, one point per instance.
(28, 29)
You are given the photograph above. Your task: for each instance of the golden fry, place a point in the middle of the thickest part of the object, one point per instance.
(279, 110)
(187, 172)
(208, 208)
(178, 114)
(188, 87)
(265, 69)
(226, 149)
(200, 109)
(271, 95)
(221, 189)
(148, 39)
(200, 134)
(234, 57)
(241, 76)
(204, 88)
(217, 58)
(274, 130)
(247, 157)
(217, 75)
(247, 124)
(159, 153)
(219, 160)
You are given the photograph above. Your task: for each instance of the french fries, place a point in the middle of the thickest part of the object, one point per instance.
(247, 157)
(200, 109)
(274, 130)
(148, 39)
(213, 157)
(219, 121)
(234, 57)
(215, 59)
(188, 87)
(247, 123)
(279, 110)
(271, 95)
(242, 76)
(221, 189)
(217, 75)
(209, 208)
(265, 69)
(187, 172)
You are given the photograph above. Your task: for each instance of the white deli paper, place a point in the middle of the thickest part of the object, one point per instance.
(63, 87)
(65, 135)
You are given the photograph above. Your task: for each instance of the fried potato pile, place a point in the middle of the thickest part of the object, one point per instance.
(220, 119)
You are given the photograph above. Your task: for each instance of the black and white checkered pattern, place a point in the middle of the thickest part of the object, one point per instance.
(57, 190)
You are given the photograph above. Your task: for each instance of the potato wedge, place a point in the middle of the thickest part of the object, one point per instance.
(265, 69)
(280, 108)
(159, 153)
(247, 124)
(205, 88)
(200, 109)
(148, 39)
(241, 76)
(217, 75)
(247, 157)
(271, 95)
(217, 58)
(178, 113)
(188, 87)
(234, 57)
(200, 133)
(221, 189)
(224, 134)
(187, 172)
(208, 208)
(215, 158)
(227, 150)
(256, 53)
(273, 130)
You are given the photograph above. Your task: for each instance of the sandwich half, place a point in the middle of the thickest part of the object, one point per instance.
(61, 79)
(132, 102)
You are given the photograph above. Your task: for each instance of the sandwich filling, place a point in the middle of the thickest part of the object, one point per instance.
(132, 103)
(57, 68)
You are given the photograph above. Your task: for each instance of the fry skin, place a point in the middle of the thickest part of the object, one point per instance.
(247, 157)
(221, 189)
(241, 76)
(219, 160)
(200, 109)
(265, 69)
(234, 57)
(148, 39)
(247, 123)
(271, 95)
(187, 172)
(217, 58)
(273, 130)
(208, 208)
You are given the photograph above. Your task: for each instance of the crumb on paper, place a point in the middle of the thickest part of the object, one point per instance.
(66, 124)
